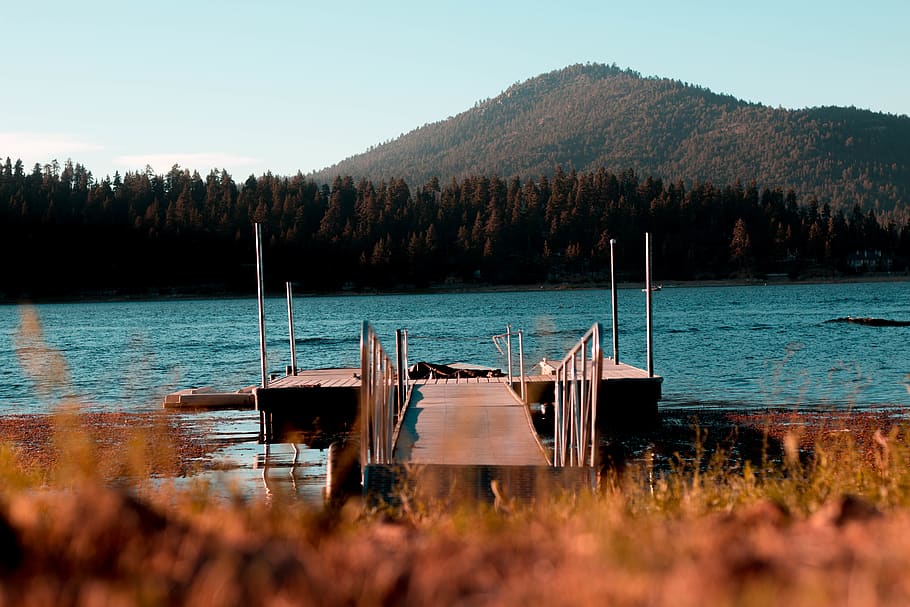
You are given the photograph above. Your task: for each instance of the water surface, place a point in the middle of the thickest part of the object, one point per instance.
(742, 346)
(737, 347)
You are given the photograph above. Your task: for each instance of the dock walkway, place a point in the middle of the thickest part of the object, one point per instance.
(468, 439)
(467, 422)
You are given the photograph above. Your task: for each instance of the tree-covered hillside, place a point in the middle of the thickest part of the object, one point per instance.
(591, 116)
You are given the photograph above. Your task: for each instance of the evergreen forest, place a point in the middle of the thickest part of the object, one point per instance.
(65, 234)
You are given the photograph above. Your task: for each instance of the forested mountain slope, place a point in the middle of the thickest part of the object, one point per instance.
(591, 116)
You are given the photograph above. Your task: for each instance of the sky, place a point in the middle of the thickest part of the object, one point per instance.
(291, 85)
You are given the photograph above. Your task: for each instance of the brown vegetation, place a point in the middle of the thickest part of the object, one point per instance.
(824, 526)
(173, 448)
(99, 547)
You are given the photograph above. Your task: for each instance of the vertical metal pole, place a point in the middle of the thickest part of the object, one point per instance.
(399, 355)
(509, 350)
(558, 416)
(291, 328)
(521, 367)
(364, 396)
(648, 298)
(613, 297)
(598, 375)
(260, 289)
(407, 365)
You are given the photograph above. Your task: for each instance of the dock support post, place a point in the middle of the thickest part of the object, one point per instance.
(260, 288)
(291, 329)
(648, 295)
(613, 298)
(342, 472)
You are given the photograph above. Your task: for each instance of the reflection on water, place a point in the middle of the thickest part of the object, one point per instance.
(242, 466)
(290, 470)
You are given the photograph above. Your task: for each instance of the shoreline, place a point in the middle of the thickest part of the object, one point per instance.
(442, 289)
(175, 447)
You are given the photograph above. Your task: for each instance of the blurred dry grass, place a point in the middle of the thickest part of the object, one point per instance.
(826, 524)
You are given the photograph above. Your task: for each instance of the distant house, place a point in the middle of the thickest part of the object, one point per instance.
(869, 260)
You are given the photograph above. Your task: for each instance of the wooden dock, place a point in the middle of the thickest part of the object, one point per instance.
(458, 433)
(317, 405)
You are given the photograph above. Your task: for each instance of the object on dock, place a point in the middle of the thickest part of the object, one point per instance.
(425, 370)
(208, 398)
(546, 368)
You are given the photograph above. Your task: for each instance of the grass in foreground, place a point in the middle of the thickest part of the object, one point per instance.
(827, 525)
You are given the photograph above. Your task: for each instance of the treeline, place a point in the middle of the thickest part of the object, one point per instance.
(64, 233)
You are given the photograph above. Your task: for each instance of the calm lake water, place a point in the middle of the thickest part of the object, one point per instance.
(742, 346)
(738, 347)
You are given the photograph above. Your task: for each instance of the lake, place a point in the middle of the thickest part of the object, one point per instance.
(731, 346)
(735, 347)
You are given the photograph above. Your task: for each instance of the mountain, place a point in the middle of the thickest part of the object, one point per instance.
(593, 115)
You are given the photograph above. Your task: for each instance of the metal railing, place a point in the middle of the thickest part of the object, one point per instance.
(381, 401)
(577, 382)
(507, 336)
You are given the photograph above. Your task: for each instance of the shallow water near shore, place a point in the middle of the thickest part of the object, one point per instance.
(735, 348)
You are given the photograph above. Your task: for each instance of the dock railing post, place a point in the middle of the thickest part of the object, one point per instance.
(407, 365)
(613, 298)
(291, 328)
(648, 295)
(509, 351)
(521, 366)
(260, 289)
(402, 371)
(365, 395)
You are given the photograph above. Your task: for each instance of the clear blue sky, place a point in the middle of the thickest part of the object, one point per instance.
(251, 86)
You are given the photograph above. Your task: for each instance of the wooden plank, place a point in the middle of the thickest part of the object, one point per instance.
(467, 424)
(314, 377)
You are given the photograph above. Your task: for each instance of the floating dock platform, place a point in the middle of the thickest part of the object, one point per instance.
(208, 398)
(318, 405)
